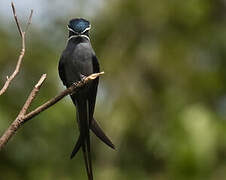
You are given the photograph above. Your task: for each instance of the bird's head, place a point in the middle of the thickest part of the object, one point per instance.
(79, 27)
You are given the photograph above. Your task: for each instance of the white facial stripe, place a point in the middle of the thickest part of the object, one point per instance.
(85, 36)
(70, 29)
(75, 36)
(88, 28)
(72, 37)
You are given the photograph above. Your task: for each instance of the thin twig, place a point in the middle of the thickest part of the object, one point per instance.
(32, 95)
(29, 20)
(22, 52)
(22, 117)
(15, 17)
(17, 122)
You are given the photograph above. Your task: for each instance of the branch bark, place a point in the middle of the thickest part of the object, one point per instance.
(22, 52)
(23, 117)
(16, 124)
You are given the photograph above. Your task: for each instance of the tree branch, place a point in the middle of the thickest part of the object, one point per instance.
(22, 52)
(23, 117)
(29, 20)
(15, 17)
(32, 95)
(16, 124)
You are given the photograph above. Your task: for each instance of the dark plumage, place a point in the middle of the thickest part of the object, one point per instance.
(77, 61)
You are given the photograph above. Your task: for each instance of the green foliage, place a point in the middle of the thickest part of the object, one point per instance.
(162, 99)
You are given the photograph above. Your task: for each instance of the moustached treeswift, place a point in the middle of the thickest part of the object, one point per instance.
(78, 61)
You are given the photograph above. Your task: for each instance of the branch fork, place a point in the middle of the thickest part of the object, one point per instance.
(22, 52)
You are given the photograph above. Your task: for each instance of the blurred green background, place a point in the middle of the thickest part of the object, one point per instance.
(162, 99)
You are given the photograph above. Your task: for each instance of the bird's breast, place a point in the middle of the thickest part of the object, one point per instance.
(78, 62)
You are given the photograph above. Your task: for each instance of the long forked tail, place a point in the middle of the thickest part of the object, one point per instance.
(86, 154)
(94, 126)
(84, 138)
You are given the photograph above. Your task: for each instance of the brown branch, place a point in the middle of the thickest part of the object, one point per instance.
(17, 122)
(23, 117)
(29, 20)
(22, 52)
(15, 17)
(32, 95)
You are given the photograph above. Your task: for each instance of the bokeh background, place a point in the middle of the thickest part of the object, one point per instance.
(162, 99)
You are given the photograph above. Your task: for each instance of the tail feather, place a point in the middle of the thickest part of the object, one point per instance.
(77, 147)
(90, 172)
(89, 157)
(85, 123)
(94, 126)
(83, 119)
(86, 160)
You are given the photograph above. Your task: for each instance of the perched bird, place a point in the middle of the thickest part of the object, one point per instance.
(77, 61)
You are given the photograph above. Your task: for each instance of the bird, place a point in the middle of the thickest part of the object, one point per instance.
(78, 60)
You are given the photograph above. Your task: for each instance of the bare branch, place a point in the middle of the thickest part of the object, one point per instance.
(22, 118)
(71, 90)
(17, 122)
(32, 95)
(29, 20)
(16, 71)
(15, 17)
(22, 52)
